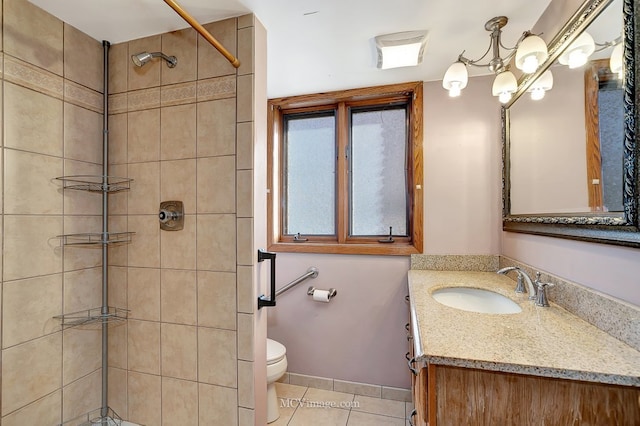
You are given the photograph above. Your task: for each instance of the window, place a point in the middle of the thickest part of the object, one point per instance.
(345, 171)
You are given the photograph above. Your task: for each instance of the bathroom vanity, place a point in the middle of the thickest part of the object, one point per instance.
(538, 366)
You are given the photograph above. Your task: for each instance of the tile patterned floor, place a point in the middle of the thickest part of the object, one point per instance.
(302, 406)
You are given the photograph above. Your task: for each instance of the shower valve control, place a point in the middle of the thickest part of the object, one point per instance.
(171, 215)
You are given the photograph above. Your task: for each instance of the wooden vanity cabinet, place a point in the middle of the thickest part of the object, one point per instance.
(453, 396)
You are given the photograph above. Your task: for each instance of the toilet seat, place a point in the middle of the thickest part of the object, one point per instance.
(275, 351)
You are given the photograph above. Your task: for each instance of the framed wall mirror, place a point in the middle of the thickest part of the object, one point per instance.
(571, 159)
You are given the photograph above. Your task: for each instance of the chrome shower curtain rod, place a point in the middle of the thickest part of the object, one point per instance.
(203, 32)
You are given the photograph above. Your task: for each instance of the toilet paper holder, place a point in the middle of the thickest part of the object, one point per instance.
(332, 292)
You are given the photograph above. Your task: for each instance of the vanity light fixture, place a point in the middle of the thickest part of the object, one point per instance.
(615, 61)
(530, 51)
(542, 84)
(578, 52)
(403, 49)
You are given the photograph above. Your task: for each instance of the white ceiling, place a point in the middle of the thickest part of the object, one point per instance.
(319, 45)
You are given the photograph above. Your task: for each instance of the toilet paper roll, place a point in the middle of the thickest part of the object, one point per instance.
(321, 296)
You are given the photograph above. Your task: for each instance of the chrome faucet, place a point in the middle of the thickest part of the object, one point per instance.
(541, 295)
(522, 278)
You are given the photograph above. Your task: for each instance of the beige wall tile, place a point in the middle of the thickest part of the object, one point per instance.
(246, 417)
(212, 63)
(81, 202)
(31, 371)
(82, 289)
(149, 74)
(178, 297)
(179, 351)
(178, 248)
(35, 192)
(118, 201)
(139, 100)
(245, 384)
(178, 132)
(118, 133)
(143, 136)
(118, 279)
(26, 252)
(83, 59)
(217, 357)
(246, 251)
(178, 182)
(28, 308)
(179, 402)
(248, 20)
(82, 134)
(119, 61)
(245, 98)
(143, 292)
(117, 353)
(21, 21)
(245, 146)
(217, 402)
(244, 192)
(217, 184)
(117, 392)
(82, 352)
(216, 127)
(245, 50)
(144, 250)
(22, 131)
(216, 250)
(144, 195)
(45, 411)
(183, 45)
(143, 344)
(144, 399)
(217, 299)
(245, 337)
(118, 253)
(246, 294)
(78, 257)
(179, 94)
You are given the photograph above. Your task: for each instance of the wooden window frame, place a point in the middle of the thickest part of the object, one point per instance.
(345, 244)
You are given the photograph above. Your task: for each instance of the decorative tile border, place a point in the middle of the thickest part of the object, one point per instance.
(178, 94)
(42, 81)
(455, 262)
(364, 389)
(216, 88)
(81, 96)
(143, 99)
(613, 316)
(118, 103)
(32, 77)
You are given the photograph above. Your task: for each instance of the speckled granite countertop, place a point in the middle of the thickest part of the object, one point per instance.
(548, 342)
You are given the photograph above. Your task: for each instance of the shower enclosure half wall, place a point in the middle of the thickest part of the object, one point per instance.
(186, 346)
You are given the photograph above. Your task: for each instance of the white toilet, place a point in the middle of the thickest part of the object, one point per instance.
(276, 367)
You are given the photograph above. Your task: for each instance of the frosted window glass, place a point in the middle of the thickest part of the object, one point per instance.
(310, 175)
(378, 172)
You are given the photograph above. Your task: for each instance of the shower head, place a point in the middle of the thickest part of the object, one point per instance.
(143, 57)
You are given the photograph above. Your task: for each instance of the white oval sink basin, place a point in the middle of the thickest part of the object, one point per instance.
(476, 300)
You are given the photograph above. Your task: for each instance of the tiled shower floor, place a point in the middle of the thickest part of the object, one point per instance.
(302, 406)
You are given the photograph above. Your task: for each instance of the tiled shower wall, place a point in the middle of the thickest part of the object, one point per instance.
(186, 354)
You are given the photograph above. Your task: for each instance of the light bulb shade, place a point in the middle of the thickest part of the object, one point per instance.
(615, 62)
(541, 85)
(456, 78)
(578, 52)
(403, 49)
(531, 53)
(505, 83)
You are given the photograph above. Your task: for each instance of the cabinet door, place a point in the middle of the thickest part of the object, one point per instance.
(420, 398)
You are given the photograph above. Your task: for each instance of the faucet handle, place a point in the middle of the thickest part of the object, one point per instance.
(541, 296)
